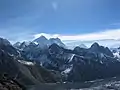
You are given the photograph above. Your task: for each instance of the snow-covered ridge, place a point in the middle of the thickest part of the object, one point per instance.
(42, 41)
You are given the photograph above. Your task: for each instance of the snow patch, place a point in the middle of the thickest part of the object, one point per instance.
(67, 70)
(116, 54)
(10, 54)
(101, 62)
(2, 50)
(72, 57)
(26, 62)
(41, 64)
(36, 43)
(97, 80)
(102, 55)
(19, 53)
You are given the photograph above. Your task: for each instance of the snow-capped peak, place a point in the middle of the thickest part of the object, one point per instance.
(56, 41)
(41, 40)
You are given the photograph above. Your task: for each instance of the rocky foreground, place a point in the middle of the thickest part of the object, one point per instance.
(100, 84)
(9, 85)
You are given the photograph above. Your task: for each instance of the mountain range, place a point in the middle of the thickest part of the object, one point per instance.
(111, 43)
(50, 61)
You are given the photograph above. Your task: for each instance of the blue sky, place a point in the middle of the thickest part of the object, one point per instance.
(27, 19)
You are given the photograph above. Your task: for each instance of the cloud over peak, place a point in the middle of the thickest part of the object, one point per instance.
(107, 34)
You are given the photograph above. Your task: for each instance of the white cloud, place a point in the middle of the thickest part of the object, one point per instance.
(109, 38)
(46, 35)
(55, 5)
(108, 34)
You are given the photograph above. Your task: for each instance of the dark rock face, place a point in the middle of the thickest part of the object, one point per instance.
(90, 69)
(34, 52)
(80, 51)
(5, 46)
(4, 42)
(25, 74)
(57, 58)
(100, 49)
(22, 45)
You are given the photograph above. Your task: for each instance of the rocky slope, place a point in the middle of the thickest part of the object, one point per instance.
(83, 64)
(25, 72)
